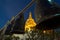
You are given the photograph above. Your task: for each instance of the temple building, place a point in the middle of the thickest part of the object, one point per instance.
(30, 23)
(47, 22)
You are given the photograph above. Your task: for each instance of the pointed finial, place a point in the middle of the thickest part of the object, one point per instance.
(30, 15)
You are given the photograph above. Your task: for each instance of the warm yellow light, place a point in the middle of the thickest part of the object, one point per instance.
(44, 31)
(30, 23)
(47, 31)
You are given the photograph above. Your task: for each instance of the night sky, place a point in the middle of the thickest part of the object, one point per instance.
(9, 8)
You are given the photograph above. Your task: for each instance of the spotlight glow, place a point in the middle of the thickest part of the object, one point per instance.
(49, 0)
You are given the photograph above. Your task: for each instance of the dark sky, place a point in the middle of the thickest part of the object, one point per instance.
(9, 8)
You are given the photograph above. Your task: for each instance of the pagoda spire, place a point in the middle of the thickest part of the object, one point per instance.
(30, 15)
(30, 23)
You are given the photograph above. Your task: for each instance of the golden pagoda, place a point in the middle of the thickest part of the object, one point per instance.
(30, 23)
